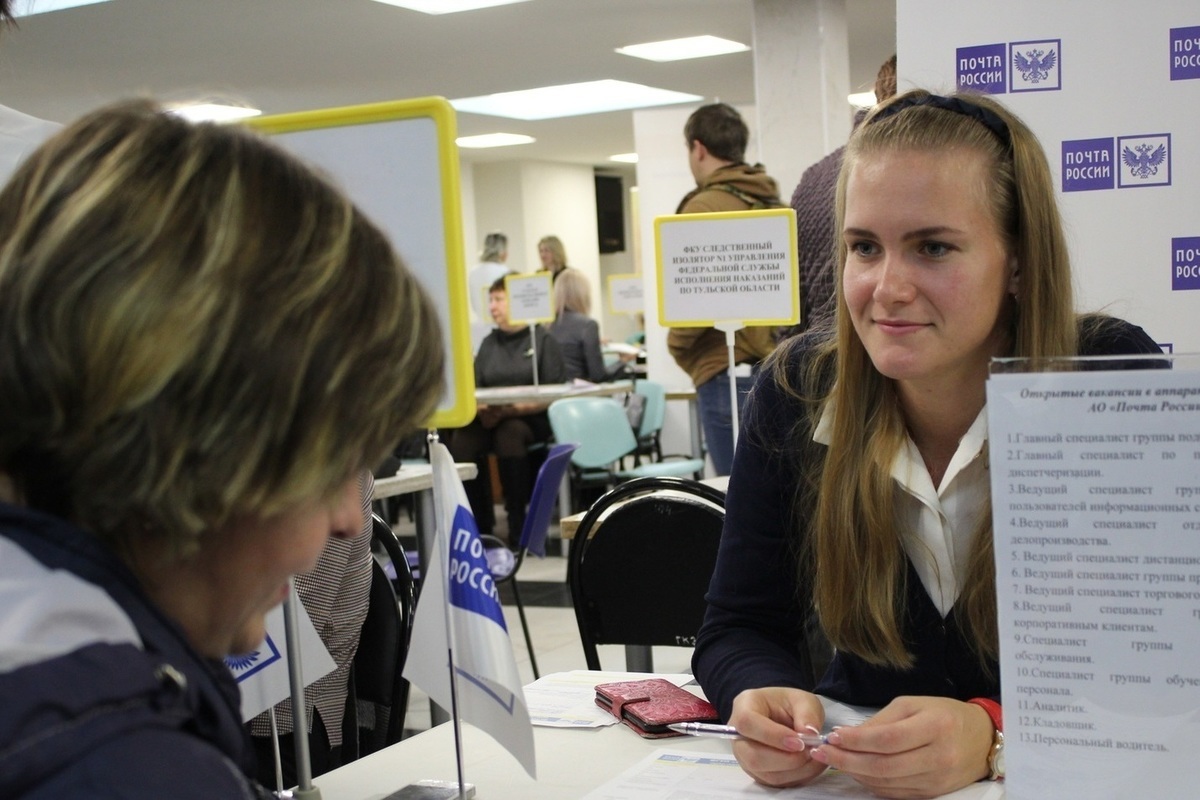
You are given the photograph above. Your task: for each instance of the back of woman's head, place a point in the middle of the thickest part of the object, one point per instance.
(495, 248)
(572, 293)
(195, 327)
(1019, 191)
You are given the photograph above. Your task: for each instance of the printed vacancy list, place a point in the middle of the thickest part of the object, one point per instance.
(1096, 514)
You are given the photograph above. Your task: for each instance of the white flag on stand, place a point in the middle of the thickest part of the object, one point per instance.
(489, 687)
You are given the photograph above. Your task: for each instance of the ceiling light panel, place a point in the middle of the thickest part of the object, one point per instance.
(27, 8)
(447, 6)
(212, 112)
(683, 49)
(493, 140)
(571, 100)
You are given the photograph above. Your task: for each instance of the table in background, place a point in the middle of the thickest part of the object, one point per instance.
(689, 395)
(547, 393)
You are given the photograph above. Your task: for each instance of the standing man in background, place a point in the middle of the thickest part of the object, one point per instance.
(716, 140)
(19, 133)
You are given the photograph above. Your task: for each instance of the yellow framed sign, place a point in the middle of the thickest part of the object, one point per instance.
(626, 294)
(398, 162)
(530, 298)
(729, 266)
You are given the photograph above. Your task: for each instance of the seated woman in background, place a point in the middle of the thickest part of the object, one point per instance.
(860, 490)
(202, 347)
(578, 334)
(505, 358)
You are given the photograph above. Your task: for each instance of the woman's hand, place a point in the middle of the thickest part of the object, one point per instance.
(914, 747)
(769, 721)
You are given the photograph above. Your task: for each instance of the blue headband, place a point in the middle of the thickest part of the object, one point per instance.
(957, 105)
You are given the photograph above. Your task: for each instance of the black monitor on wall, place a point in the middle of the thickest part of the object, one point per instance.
(610, 213)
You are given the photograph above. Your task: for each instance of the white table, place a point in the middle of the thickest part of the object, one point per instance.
(416, 478)
(570, 763)
(547, 393)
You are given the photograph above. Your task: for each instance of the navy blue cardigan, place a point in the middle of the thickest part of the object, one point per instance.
(753, 634)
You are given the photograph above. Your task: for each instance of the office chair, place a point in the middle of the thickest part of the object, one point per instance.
(654, 415)
(640, 564)
(505, 563)
(379, 692)
(601, 429)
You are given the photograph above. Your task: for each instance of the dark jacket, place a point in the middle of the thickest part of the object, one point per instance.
(506, 359)
(100, 694)
(753, 633)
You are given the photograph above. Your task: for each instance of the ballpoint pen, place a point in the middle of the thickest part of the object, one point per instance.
(712, 731)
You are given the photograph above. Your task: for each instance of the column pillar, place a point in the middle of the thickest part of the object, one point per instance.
(801, 80)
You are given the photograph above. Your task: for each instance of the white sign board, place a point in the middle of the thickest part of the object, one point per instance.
(626, 294)
(530, 298)
(1095, 499)
(727, 266)
(398, 162)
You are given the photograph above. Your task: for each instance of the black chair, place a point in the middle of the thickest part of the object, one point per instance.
(379, 693)
(640, 564)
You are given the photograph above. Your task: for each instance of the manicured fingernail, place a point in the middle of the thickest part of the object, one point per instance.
(819, 756)
(834, 737)
(794, 743)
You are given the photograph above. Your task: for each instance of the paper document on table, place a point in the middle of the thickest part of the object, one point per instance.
(682, 775)
(568, 699)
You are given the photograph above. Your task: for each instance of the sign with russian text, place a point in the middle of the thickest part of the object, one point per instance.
(1096, 515)
(530, 298)
(625, 294)
(727, 266)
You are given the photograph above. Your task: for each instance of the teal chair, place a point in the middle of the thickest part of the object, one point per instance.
(654, 414)
(601, 429)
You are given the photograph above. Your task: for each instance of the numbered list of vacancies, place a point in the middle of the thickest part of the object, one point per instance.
(1096, 508)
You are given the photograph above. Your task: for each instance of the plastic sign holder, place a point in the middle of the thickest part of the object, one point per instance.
(398, 162)
(727, 270)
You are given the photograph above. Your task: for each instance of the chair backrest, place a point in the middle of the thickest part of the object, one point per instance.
(381, 693)
(598, 426)
(638, 576)
(654, 413)
(541, 502)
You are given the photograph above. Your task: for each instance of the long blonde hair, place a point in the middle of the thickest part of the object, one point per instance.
(854, 554)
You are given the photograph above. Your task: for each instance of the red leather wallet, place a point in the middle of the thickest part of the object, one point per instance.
(648, 706)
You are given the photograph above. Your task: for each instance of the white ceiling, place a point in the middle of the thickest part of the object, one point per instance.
(293, 55)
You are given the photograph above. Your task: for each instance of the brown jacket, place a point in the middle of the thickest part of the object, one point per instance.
(701, 352)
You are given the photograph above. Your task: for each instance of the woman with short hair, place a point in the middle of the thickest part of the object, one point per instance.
(202, 346)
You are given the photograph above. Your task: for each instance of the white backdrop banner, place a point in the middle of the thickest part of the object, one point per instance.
(1111, 89)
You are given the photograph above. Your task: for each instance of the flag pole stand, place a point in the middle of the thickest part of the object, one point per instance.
(731, 329)
(304, 789)
(427, 789)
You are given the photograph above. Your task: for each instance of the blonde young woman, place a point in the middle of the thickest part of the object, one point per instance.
(202, 347)
(860, 486)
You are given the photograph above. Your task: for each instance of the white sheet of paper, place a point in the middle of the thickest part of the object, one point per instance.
(1096, 507)
(262, 675)
(568, 699)
(716, 776)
